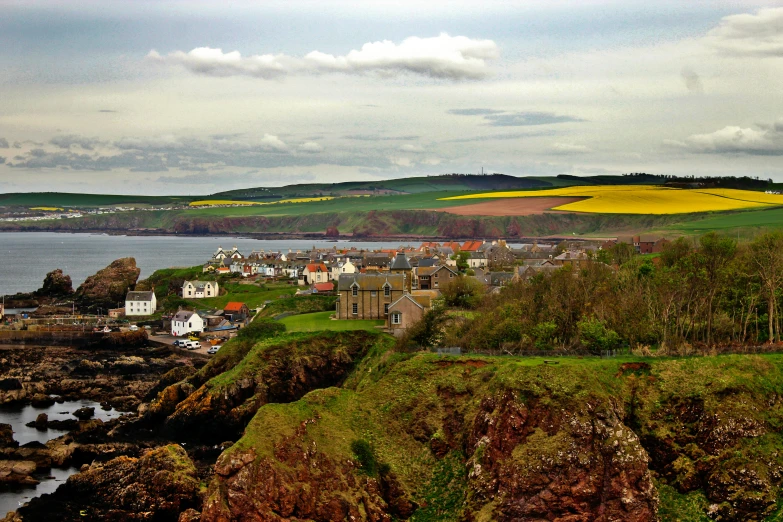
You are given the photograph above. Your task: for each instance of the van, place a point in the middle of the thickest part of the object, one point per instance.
(193, 345)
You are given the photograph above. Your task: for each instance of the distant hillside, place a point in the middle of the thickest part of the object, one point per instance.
(415, 185)
(65, 199)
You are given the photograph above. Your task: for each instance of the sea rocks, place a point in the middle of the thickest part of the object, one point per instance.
(84, 413)
(159, 485)
(108, 286)
(7, 437)
(41, 422)
(17, 472)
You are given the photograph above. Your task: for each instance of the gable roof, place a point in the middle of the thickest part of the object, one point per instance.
(429, 270)
(183, 315)
(139, 296)
(370, 281)
(316, 267)
(233, 306)
(324, 287)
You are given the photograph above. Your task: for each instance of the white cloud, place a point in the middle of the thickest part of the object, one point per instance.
(409, 147)
(311, 147)
(442, 56)
(271, 142)
(766, 140)
(759, 34)
(569, 148)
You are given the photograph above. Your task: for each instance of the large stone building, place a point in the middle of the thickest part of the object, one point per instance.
(368, 296)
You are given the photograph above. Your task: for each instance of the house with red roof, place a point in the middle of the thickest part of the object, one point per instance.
(323, 288)
(238, 311)
(314, 273)
(471, 246)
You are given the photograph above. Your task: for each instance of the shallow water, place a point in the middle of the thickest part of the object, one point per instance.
(50, 479)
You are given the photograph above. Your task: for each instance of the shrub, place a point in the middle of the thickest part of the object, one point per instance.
(261, 329)
(365, 455)
(595, 336)
(544, 335)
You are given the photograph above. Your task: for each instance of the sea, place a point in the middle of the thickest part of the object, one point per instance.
(28, 256)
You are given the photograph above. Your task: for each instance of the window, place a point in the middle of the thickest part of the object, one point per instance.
(386, 291)
(396, 318)
(355, 308)
(374, 294)
(386, 309)
(190, 325)
(436, 284)
(354, 291)
(190, 293)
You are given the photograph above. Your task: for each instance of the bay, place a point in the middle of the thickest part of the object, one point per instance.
(28, 256)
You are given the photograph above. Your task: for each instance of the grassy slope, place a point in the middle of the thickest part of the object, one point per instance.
(64, 199)
(389, 394)
(320, 321)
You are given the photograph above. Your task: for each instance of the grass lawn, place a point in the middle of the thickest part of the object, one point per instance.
(772, 218)
(253, 296)
(320, 321)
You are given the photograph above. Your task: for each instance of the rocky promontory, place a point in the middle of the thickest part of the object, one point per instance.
(108, 286)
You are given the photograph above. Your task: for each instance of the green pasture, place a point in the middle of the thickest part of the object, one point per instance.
(64, 199)
(252, 295)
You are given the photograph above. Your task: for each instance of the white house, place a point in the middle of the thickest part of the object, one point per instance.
(199, 289)
(342, 267)
(185, 322)
(221, 254)
(140, 303)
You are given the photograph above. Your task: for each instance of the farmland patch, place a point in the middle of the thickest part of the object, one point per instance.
(510, 206)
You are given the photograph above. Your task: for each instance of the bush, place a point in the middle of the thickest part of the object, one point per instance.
(544, 335)
(260, 329)
(365, 455)
(595, 336)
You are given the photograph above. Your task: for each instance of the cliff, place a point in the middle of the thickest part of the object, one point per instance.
(337, 426)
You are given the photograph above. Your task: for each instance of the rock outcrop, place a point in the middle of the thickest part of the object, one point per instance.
(108, 286)
(157, 486)
(55, 285)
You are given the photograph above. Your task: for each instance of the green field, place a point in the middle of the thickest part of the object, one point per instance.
(252, 295)
(64, 199)
(320, 321)
(750, 219)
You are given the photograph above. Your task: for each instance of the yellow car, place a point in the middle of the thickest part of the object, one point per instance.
(193, 336)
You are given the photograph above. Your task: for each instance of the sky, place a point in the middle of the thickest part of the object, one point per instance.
(196, 97)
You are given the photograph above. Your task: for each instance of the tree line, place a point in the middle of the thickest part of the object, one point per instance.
(703, 293)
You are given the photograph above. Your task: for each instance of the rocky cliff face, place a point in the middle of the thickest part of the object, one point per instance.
(108, 286)
(340, 428)
(55, 285)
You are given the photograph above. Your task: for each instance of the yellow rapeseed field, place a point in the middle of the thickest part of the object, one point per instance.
(217, 202)
(47, 209)
(643, 199)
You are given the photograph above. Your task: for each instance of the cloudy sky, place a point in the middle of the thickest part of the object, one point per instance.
(193, 97)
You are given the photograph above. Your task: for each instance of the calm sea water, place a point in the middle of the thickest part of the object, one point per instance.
(10, 500)
(28, 256)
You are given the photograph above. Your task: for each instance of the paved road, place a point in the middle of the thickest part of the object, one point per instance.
(169, 339)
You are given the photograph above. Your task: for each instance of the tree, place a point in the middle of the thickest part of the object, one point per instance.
(767, 256)
(715, 253)
(463, 292)
(462, 260)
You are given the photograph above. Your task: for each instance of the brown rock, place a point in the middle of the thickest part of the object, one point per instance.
(108, 286)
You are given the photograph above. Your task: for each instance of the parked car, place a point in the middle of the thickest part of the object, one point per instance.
(133, 328)
(193, 336)
(193, 345)
(214, 349)
(180, 342)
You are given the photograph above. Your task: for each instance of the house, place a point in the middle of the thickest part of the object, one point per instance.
(648, 244)
(499, 255)
(406, 311)
(342, 267)
(432, 277)
(140, 303)
(314, 273)
(185, 322)
(401, 266)
(368, 296)
(114, 313)
(238, 311)
(471, 246)
(477, 260)
(199, 289)
(572, 258)
(221, 254)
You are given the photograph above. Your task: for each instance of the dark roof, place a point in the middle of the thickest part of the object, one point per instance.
(427, 262)
(372, 281)
(400, 262)
(139, 296)
(183, 315)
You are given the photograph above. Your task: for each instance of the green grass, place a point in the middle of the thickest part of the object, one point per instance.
(678, 507)
(253, 296)
(320, 321)
(751, 219)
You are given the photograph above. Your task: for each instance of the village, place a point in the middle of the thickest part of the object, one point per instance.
(386, 289)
